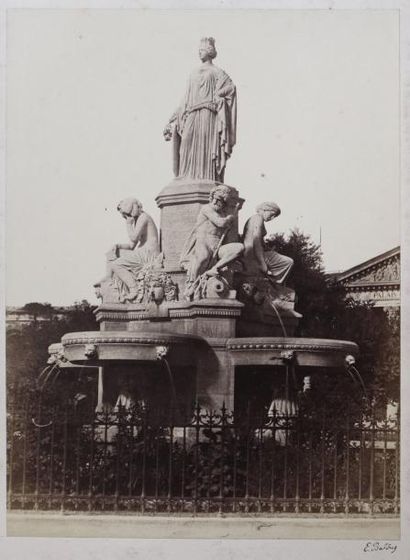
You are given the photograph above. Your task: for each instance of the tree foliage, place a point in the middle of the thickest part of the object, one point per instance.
(328, 313)
(27, 347)
(36, 309)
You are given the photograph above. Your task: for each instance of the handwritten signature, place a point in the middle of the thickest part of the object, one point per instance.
(376, 546)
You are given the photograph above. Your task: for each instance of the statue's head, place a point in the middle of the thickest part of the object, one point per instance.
(219, 196)
(268, 210)
(223, 196)
(129, 207)
(207, 50)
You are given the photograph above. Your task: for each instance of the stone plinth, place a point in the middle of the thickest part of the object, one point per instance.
(195, 331)
(180, 203)
(208, 318)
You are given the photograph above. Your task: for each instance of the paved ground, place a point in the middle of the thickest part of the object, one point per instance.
(31, 524)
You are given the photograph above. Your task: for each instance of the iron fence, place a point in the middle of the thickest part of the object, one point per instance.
(294, 460)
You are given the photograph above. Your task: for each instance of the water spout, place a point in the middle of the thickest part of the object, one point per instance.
(46, 373)
(172, 384)
(354, 373)
(360, 378)
(285, 334)
(162, 352)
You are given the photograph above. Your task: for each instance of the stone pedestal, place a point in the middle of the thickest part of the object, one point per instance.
(180, 203)
(216, 377)
(208, 318)
(204, 325)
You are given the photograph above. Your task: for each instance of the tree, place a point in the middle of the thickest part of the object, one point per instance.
(38, 309)
(27, 349)
(328, 313)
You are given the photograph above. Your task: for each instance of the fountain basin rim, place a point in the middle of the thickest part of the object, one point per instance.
(318, 353)
(127, 337)
(232, 344)
(101, 348)
(292, 343)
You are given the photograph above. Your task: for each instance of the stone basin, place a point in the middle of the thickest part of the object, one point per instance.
(205, 369)
(307, 352)
(98, 348)
(95, 348)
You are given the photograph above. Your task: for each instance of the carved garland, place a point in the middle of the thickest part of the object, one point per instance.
(174, 313)
(272, 346)
(127, 340)
(205, 313)
(124, 316)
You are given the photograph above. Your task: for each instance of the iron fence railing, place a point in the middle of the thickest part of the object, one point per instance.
(136, 459)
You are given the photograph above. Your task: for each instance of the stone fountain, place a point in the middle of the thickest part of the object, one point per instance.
(197, 313)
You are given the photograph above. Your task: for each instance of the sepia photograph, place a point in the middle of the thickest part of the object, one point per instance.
(203, 233)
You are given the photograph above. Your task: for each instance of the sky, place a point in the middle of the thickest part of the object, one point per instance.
(90, 91)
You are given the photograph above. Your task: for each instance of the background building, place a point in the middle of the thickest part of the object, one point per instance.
(376, 280)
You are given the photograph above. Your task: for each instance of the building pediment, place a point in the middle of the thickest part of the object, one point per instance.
(383, 270)
(376, 280)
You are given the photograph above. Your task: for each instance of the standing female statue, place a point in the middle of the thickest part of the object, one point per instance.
(204, 126)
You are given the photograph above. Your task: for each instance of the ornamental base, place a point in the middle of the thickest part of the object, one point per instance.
(210, 318)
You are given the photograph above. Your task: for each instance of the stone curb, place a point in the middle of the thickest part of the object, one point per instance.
(29, 524)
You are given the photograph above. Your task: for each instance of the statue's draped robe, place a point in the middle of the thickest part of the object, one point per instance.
(204, 138)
